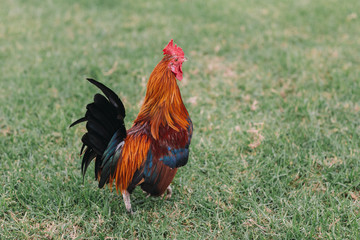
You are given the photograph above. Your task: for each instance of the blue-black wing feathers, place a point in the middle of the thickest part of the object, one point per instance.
(162, 162)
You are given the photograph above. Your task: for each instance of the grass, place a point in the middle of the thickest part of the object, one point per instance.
(272, 88)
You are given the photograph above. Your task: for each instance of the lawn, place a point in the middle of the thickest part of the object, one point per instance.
(272, 87)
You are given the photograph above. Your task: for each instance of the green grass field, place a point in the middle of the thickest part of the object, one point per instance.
(272, 87)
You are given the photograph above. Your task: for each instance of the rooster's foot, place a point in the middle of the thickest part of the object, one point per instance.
(168, 193)
(126, 197)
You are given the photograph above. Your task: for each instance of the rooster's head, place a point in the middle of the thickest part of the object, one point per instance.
(177, 57)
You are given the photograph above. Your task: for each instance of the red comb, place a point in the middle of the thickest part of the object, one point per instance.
(172, 50)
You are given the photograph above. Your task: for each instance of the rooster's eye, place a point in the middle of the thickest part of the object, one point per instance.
(176, 59)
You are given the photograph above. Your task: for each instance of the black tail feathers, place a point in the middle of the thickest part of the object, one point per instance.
(105, 117)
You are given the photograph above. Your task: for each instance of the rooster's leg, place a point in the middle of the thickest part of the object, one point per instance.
(147, 194)
(126, 197)
(168, 192)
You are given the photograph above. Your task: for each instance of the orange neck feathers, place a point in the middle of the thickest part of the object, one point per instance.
(163, 104)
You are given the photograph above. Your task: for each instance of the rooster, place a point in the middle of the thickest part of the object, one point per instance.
(150, 152)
